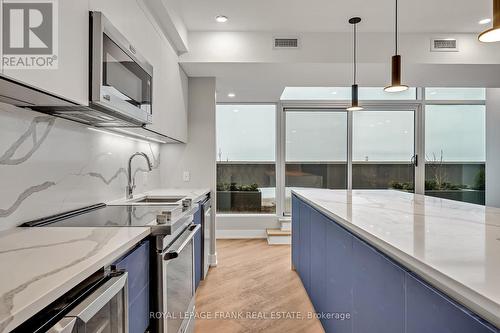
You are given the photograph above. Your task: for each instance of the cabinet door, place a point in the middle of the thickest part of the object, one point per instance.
(170, 85)
(429, 311)
(318, 264)
(295, 231)
(198, 269)
(70, 79)
(339, 278)
(136, 264)
(305, 245)
(378, 292)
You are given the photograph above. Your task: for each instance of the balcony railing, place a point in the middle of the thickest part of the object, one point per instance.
(250, 187)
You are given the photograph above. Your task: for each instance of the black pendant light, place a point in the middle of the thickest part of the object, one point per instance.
(354, 90)
(396, 85)
(493, 34)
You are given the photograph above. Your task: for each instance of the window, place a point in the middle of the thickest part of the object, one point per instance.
(316, 150)
(461, 94)
(344, 93)
(455, 152)
(383, 148)
(246, 158)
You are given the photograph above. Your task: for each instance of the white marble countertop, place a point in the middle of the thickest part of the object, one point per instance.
(195, 194)
(38, 265)
(454, 246)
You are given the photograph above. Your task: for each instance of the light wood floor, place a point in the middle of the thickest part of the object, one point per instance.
(252, 276)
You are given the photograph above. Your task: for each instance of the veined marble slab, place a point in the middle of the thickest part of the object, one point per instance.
(38, 265)
(455, 246)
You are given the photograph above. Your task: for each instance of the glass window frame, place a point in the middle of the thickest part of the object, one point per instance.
(281, 168)
(418, 106)
(277, 114)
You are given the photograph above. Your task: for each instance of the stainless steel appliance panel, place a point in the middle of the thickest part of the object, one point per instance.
(121, 79)
(104, 311)
(207, 238)
(177, 289)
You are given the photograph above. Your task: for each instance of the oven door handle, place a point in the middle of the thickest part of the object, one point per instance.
(172, 254)
(90, 306)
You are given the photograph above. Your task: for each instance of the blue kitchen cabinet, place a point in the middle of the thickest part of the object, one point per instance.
(305, 245)
(428, 311)
(339, 278)
(295, 231)
(378, 291)
(136, 264)
(198, 269)
(318, 260)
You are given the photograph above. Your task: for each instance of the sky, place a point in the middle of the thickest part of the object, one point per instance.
(248, 133)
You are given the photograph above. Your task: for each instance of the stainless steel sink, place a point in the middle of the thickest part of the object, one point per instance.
(156, 200)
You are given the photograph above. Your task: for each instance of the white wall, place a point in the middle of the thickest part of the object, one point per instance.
(325, 59)
(233, 226)
(197, 156)
(493, 147)
(330, 47)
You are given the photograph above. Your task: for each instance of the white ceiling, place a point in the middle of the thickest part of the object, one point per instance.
(332, 15)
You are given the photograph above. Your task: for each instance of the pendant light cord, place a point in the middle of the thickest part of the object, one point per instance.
(396, 29)
(355, 53)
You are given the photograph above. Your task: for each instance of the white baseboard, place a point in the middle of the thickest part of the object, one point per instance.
(286, 226)
(279, 240)
(240, 234)
(212, 260)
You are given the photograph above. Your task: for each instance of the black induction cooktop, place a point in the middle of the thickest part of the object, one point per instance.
(100, 215)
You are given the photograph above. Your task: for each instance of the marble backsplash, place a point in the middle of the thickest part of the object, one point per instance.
(49, 165)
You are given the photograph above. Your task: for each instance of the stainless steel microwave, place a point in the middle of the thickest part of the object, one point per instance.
(121, 80)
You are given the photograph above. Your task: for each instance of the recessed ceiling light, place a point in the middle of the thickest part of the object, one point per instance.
(221, 18)
(231, 95)
(485, 21)
(236, 110)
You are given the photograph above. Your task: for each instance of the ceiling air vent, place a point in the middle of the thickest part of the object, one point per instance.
(286, 43)
(444, 45)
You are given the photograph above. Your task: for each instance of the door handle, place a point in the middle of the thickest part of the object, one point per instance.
(102, 296)
(414, 160)
(172, 254)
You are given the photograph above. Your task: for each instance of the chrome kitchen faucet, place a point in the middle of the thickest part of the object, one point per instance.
(131, 180)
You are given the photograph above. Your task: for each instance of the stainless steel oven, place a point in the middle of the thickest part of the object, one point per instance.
(98, 305)
(176, 282)
(121, 80)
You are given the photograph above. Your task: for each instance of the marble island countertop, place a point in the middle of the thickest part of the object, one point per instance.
(38, 265)
(455, 246)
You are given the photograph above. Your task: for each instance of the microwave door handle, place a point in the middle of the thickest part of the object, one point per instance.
(90, 306)
(172, 254)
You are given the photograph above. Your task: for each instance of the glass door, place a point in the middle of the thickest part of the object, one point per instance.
(315, 150)
(383, 149)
